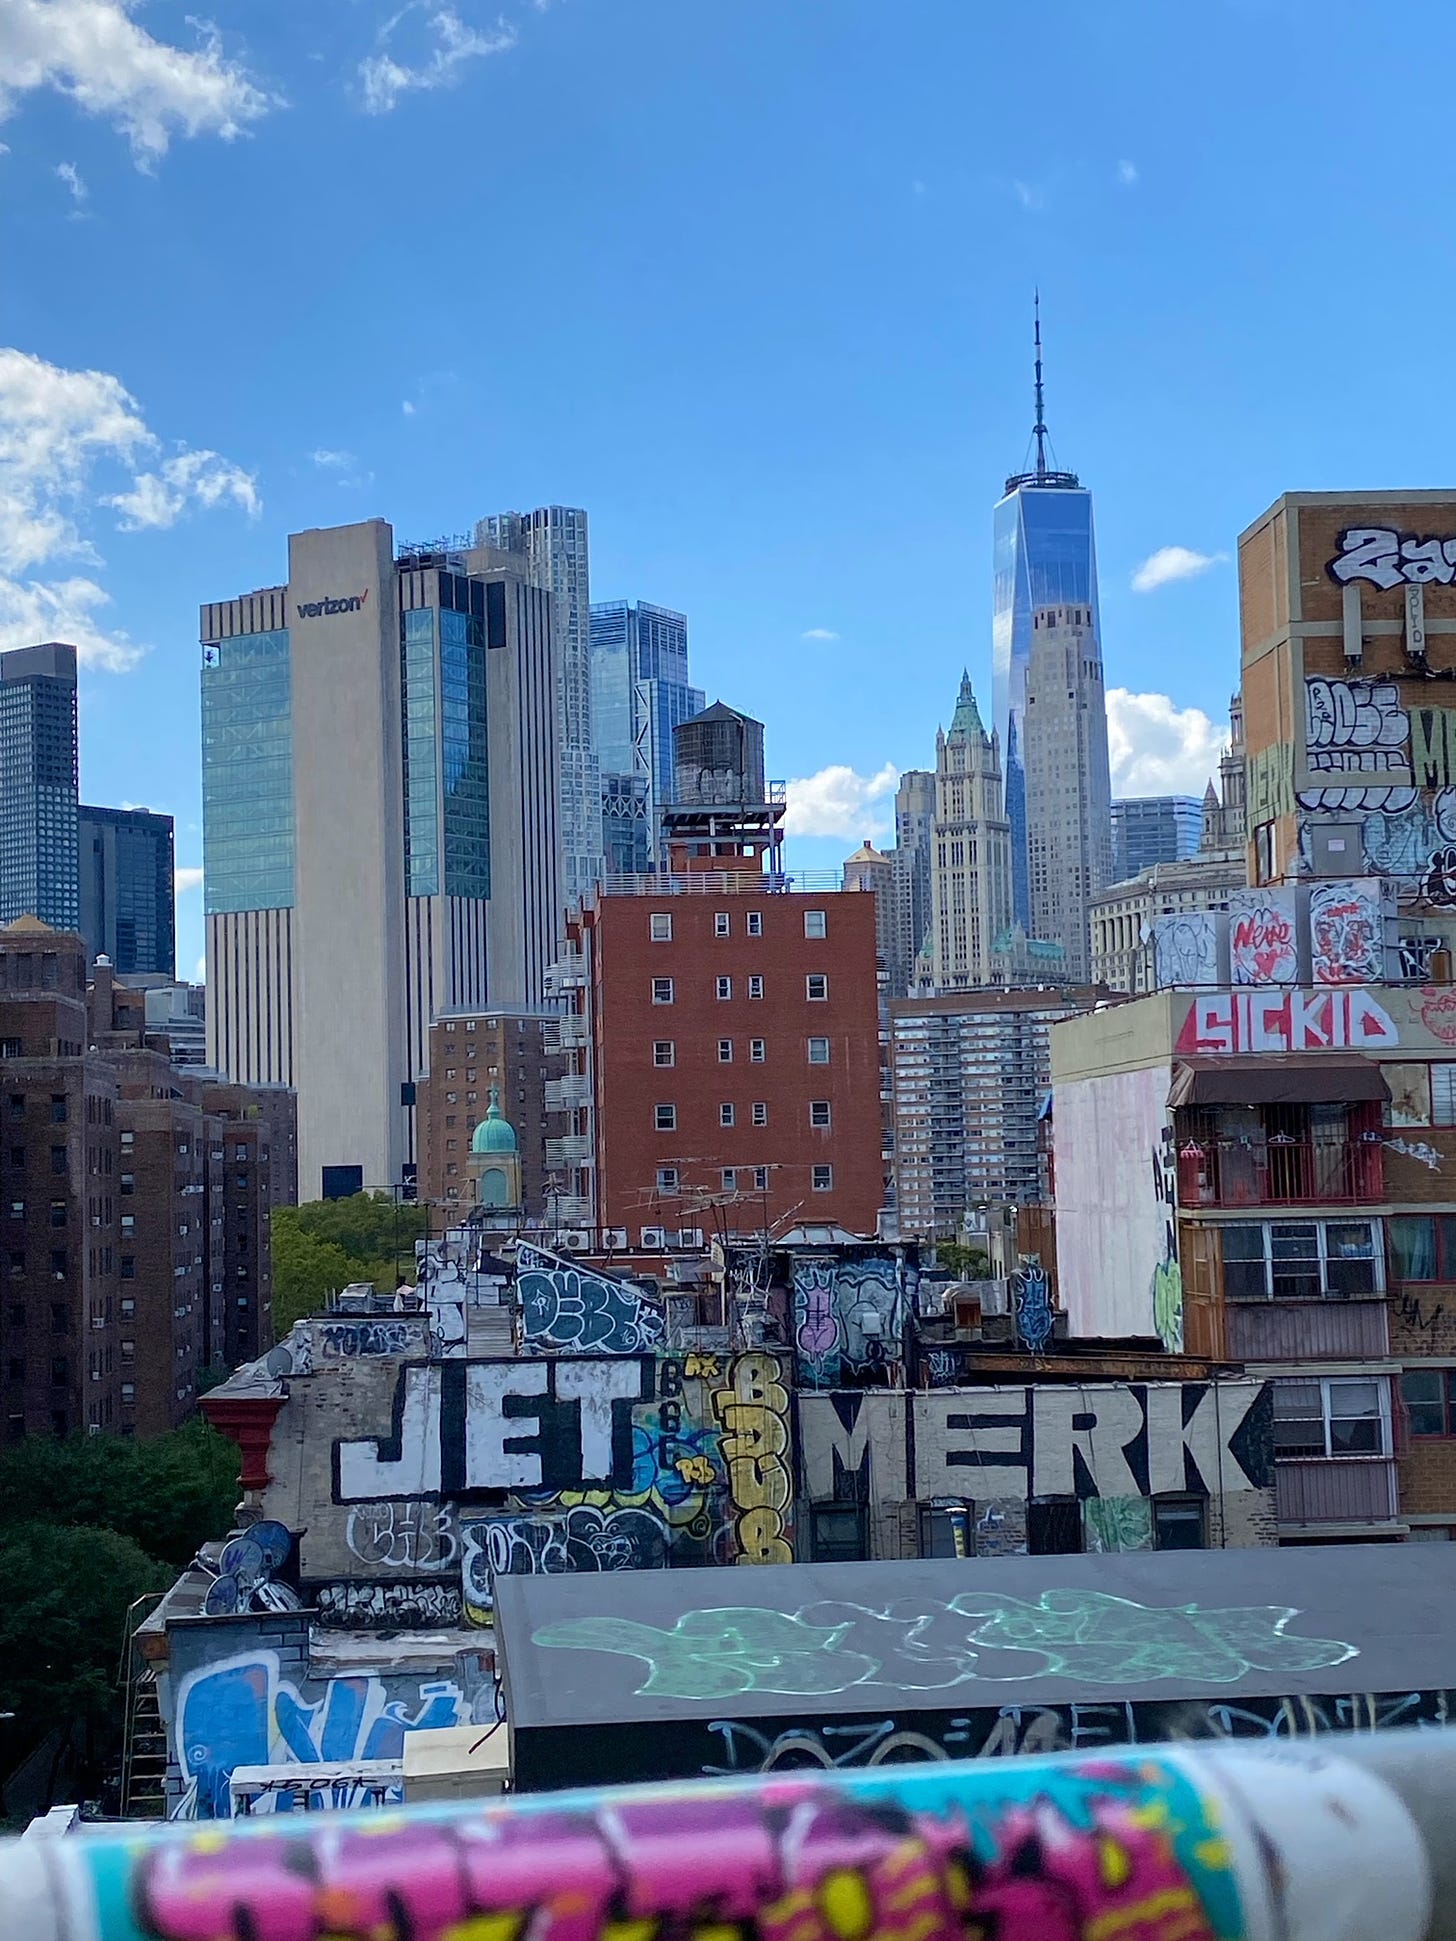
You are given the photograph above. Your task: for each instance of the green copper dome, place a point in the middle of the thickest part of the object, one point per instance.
(494, 1133)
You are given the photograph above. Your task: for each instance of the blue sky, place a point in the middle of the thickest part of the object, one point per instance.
(751, 282)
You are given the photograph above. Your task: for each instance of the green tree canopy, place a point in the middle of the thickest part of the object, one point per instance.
(64, 1598)
(168, 1496)
(320, 1247)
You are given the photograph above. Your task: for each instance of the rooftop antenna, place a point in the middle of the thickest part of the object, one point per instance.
(1039, 430)
(1043, 473)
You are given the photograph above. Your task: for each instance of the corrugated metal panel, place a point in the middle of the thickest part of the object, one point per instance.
(1345, 1489)
(1306, 1330)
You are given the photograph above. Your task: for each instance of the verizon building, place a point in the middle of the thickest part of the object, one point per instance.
(379, 773)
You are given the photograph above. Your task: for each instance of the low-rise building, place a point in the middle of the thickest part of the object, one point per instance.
(1290, 1212)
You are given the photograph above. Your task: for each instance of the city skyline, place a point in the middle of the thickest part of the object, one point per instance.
(728, 451)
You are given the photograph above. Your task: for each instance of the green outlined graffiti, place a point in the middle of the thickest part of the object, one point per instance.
(979, 1635)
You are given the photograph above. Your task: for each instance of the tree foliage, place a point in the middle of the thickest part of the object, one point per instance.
(965, 1262)
(168, 1496)
(320, 1247)
(64, 1597)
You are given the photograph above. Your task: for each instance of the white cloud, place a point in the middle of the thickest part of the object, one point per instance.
(819, 633)
(1127, 173)
(58, 428)
(185, 878)
(94, 52)
(839, 801)
(199, 973)
(407, 408)
(68, 173)
(1170, 563)
(1158, 748)
(160, 498)
(32, 610)
(1028, 194)
(451, 44)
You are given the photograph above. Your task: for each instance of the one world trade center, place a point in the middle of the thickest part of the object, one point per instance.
(1044, 557)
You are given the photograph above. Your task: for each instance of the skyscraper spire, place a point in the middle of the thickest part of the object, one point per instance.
(1039, 430)
(1042, 473)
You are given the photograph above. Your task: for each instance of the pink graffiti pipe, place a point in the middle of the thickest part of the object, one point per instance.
(1171, 1844)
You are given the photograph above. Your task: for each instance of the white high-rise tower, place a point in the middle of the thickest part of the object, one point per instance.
(1068, 786)
(971, 853)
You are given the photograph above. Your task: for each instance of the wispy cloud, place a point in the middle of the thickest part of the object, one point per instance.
(917, 187)
(61, 433)
(1028, 194)
(94, 53)
(1158, 748)
(819, 633)
(450, 44)
(839, 801)
(344, 466)
(407, 407)
(1127, 173)
(1171, 563)
(185, 878)
(68, 173)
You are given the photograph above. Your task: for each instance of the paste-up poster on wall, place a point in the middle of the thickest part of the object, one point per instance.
(1346, 932)
(1263, 946)
(1410, 1094)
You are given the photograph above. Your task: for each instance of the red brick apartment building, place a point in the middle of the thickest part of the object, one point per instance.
(729, 1030)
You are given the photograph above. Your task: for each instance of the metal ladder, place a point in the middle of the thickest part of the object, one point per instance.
(144, 1739)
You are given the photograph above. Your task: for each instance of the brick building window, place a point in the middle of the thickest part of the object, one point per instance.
(1429, 1396)
(662, 990)
(730, 1179)
(814, 923)
(760, 1179)
(667, 1179)
(818, 1051)
(760, 1112)
(819, 1112)
(720, 923)
(725, 1051)
(58, 1108)
(58, 1213)
(58, 1159)
(1423, 1246)
(838, 1532)
(725, 1115)
(822, 1179)
(816, 987)
(757, 1051)
(755, 923)
(725, 987)
(16, 1105)
(665, 1118)
(660, 924)
(755, 987)
(664, 1052)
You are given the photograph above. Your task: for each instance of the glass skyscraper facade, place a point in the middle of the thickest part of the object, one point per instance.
(1044, 555)
(640, 692)
(128, 908)
(446, 762)
(247, 772)
(1154, 829)
(38, 786)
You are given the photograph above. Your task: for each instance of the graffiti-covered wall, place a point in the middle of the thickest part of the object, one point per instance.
(849, 1320)
(251, 1692)
(1106, 1452)
(409, 1480)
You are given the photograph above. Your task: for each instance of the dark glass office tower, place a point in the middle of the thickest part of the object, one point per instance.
(1044, 556)
(128, 909)
(38, 864)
